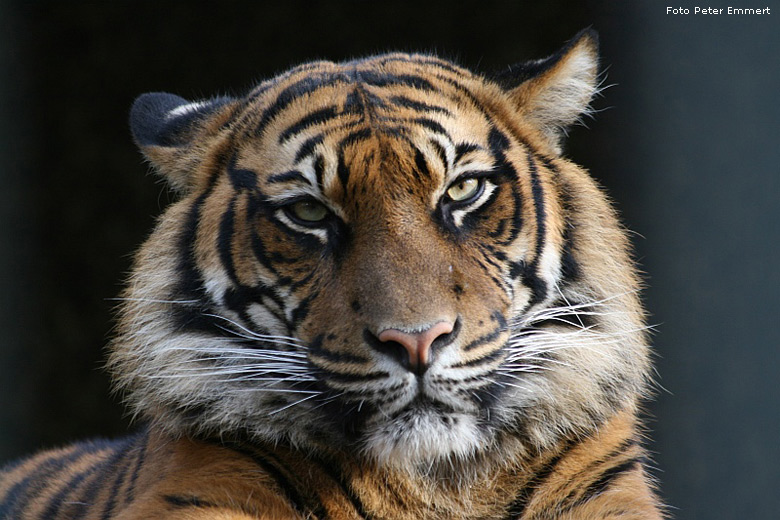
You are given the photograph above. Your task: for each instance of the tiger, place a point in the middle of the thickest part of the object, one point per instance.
(382, 292)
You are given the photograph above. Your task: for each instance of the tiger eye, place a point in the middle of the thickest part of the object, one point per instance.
(309, 211)
(463, 190)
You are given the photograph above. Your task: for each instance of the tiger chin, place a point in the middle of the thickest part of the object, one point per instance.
(382, 293)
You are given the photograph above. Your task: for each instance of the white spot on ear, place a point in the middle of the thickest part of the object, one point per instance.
(185, 109)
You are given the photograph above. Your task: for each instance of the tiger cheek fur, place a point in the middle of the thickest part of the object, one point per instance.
(383, 293)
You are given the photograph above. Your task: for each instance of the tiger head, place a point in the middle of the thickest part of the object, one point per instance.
(387, 256)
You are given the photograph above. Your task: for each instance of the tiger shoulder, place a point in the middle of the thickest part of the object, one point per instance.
(382, 293)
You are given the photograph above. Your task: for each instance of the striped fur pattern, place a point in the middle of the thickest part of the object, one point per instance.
(383, 293)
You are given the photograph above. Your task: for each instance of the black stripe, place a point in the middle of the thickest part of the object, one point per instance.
(258, 244)
(442, 153)
(302, 310)
(484, 340)
(238, 299)
(342, 377)
(499, 143)
(292, 175)
(104, 470)
(318, 116)
(608, 477)
(225, 240)
(139, 462)
(82, 503)
(384, 80)
(530, 271)
(421, 164)
(538, 286)
(531, 279)
(570, 267)
(464, 148)
(290, 93)
(500, 229)
(493, 257)
(28, 489)
(354, 137)
(442, 64)
(576, 496)
(300, 88)
(518, 506)
(342, 170)
(431, 125)
(538, 195)
(308, 147)
(190, 283)
(425, 60)
(353, 103)
(330, 468)
(119, 479)
(315, 349)
(470, 95)
(241, 178)
(419, 106)
(484, 360)
(186, 501)
(262, 88)
(319, 172)
(492, 336)
(298, 499)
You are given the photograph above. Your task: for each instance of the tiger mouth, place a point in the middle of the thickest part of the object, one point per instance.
(423, 403)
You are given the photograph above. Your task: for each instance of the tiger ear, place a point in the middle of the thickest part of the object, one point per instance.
(170, 132)
(554, 92)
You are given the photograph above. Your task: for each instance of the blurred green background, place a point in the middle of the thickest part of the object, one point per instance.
(686, 143)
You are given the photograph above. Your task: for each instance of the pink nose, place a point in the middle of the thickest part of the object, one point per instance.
(417, 344)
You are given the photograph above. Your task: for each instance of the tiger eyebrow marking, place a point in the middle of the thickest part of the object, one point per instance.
(465, 148)
(292, 175)
(308, 147)
(441, 153)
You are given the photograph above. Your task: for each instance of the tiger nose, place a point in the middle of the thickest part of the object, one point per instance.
(417, 344)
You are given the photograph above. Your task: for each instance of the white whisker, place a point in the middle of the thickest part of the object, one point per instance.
(251, 334)
(291, 405)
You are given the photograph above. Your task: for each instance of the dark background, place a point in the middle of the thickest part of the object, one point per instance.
(686, 143)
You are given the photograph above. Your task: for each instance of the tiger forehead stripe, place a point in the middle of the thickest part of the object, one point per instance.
(355, 75)
(419, 106)
(318, 116)
(307, 85)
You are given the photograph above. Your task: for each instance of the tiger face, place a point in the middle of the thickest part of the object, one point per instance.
(387, 257)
